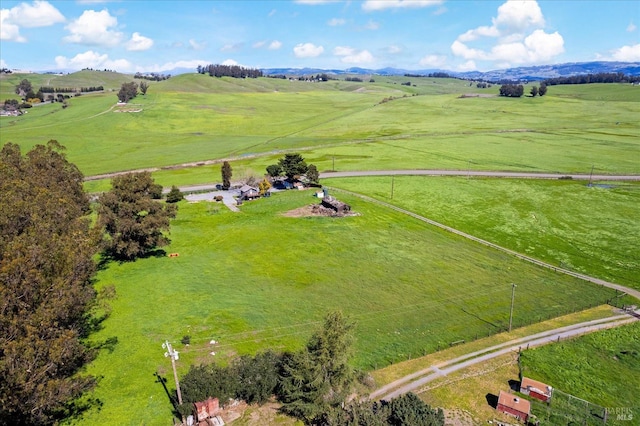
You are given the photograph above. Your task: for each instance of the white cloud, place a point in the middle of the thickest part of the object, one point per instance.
(229, 62)
(91, 59)
(372, 5)
(627, 53)
(631, 27)
(231, 47)
(518, 34)
(394, 49)
(139, 42)
(518, 15)
(336, 22)
(349, 55)
(467, 66)
(436, 61)
(94, 29)
(273, 12)
(275, 45)
(37, 14)
(258, 44)
(3, 64)
(307, 50)
(197, 45)
(167, 66)
(372, 25)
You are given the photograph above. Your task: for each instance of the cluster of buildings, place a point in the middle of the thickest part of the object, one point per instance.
(521, 408)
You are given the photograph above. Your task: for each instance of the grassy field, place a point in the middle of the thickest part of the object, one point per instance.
(195, 117)
(602, 368)
(257, 279)
(593, 232)
(609, 357)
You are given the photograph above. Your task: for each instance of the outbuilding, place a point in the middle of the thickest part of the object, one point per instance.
(536, 389)
(513, 405)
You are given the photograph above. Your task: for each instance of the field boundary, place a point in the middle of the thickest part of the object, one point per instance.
(618, 287)
(414, 381)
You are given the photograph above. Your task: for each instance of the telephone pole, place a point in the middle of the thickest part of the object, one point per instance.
(173, 354)
(392, 181)
(513, 295)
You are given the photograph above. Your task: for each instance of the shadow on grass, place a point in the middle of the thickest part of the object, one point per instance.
(514, 385)
(170, 396)
(492, 400)
(480, 319)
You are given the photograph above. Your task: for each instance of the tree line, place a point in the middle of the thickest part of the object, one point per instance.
(49, 89)
(315, 384)
(236, 71)
(49, 240)
(517, 90)
(152, 76)
(601, 77)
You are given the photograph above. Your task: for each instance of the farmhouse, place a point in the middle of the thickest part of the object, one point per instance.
(535, 389)
(511, 404)
(249, 193)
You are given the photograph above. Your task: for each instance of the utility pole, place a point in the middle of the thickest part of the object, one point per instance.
(513, 295)
(392, 176)
(333, 164)
(173, 354)
(590, 175)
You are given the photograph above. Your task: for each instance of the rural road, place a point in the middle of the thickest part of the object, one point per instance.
(414, 381)
(514, 175)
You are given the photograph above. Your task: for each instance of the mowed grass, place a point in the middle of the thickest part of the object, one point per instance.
(591, 230)
(256, 279)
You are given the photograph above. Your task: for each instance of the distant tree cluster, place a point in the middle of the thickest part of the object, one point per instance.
(127, 92)
(483, 85)
(5, 71)
(406, 83)
(512, 90)
(152, 76)
(47, 246)
(236, 71)
(431, 75)
(104, 70)
(317, 77)
(356, 79)
(602, 77)
(50, 89)
(294, 166)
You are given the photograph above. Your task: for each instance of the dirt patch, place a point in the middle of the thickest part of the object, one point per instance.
(316, 210)
(477, 95)
(254, 415)
(458, 418)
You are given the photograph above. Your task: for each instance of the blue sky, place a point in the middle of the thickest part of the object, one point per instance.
(456, 35)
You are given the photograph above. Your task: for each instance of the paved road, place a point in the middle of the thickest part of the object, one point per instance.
(415, 381)
(513, 175)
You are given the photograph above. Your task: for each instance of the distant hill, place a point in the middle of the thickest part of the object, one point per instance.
(540, 72)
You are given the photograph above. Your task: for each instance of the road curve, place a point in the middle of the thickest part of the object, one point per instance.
(414, 381)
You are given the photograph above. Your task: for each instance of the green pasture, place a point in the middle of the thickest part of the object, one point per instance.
(591, 230)
(602, 368)
(192, 117)
(257, 279)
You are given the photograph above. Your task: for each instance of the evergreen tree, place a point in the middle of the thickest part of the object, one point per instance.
(134, 222)
(292, 165)
(312, 174)
(174, 195)
(227, 172)
(46, 249)
(319, 377)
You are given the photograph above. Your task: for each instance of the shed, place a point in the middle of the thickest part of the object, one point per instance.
(536, 389)
(207, 409)
(511, 404)
(336, 205)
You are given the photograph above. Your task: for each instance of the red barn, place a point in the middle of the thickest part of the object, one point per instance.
(511, 404)
(535, 389)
